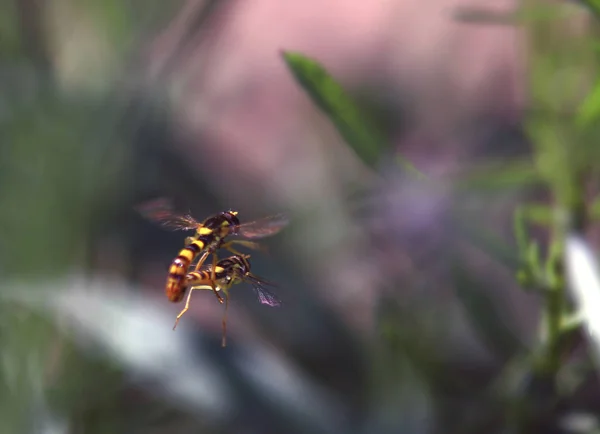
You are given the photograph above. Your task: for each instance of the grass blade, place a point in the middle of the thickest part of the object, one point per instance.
(353, 124)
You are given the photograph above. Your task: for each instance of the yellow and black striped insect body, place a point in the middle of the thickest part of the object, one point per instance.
(228, 272)
(209, 237)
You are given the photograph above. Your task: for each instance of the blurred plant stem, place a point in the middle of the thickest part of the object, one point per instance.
(563, 98)
(561, 71)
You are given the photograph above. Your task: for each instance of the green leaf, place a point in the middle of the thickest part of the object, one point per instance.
(589, 111)
(538, 214)
(524, 14)
(595, 209)
(531, 274)
(571, 322)
(500, 176)
(593, 5)
(353, 124)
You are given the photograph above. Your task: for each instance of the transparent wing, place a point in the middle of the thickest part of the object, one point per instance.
(265, 296)
(161, 211)
(263, 227)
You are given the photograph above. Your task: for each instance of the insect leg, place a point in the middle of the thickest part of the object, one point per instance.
(224, 338)
(213, 278)
(201, 260)
(187, 301)
(187, 305)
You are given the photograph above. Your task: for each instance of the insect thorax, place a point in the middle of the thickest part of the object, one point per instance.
(231, 271)
(212, 241)
(223, 219)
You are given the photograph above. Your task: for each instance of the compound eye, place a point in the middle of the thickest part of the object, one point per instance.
(232, 219)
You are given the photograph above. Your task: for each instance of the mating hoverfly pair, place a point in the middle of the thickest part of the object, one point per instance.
(210, 236)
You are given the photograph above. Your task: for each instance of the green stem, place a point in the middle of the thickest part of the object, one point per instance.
(554, 307)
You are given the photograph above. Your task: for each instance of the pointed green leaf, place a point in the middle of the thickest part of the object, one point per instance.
(353, 124)
(589, 111)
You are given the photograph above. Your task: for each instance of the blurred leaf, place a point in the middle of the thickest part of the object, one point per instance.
(518, 174)
(593, 5)
(554, 265)
(538, 214)
(595, 209)
(531, 274)
(487, 317)
(523, 14)
(571, 322)
(329, 95)
(351, 122)
(589, 111)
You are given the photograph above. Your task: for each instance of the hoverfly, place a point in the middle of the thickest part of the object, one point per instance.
(209, 237)
(228, 272)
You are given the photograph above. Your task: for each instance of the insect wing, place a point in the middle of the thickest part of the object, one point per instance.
(265, 296)
(161, 211)
(179, 222)
(263, 227)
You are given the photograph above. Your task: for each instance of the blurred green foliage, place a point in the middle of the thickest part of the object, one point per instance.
(58, 186)
(564, 110)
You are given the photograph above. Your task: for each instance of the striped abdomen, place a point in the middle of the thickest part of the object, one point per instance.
(200, 278)
(197, 278)
(175, 287)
